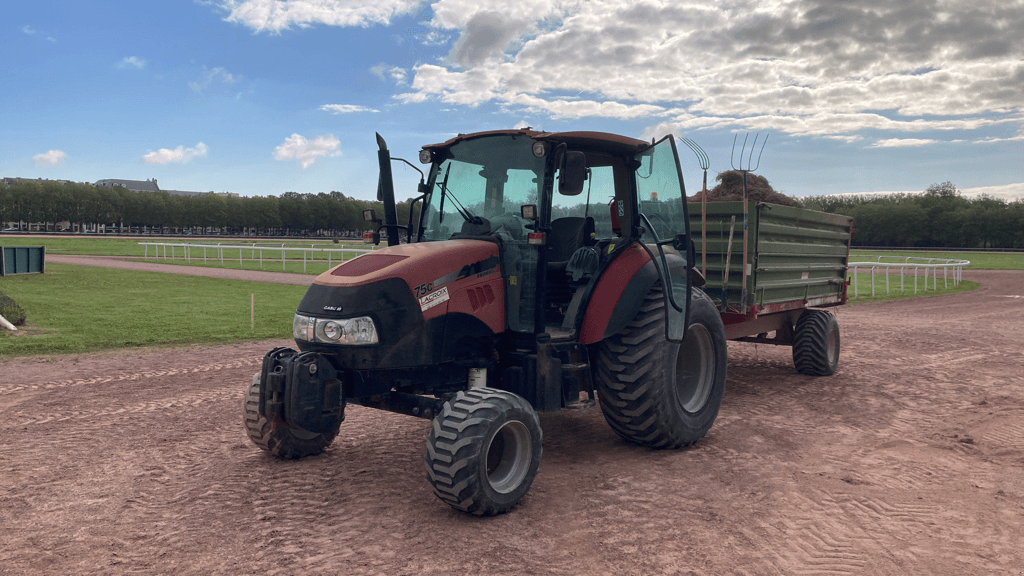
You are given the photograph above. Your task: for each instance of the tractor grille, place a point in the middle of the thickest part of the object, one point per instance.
(366, 264)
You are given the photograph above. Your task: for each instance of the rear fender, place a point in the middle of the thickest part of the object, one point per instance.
(618, 294)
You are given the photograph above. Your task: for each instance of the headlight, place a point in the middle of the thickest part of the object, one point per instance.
(300, 327)
(347, 331)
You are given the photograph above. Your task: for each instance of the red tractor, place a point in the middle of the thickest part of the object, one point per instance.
(545, 271)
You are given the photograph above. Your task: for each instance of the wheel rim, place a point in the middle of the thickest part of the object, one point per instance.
(509, 454)
(695, 369)
(833, 346)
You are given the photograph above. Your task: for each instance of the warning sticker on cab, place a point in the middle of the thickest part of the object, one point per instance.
(433, 299)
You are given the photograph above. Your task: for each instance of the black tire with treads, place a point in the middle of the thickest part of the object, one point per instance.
(274, 437)
(659, 393)
(816, 343)
(483, 451)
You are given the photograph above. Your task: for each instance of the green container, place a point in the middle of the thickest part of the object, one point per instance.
(795, 257)
(22, 260)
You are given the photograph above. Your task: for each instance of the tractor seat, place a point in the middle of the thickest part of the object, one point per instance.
(567, 235)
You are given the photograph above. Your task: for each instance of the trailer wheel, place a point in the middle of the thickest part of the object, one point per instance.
(274, 437)
(659, 393)
(816, 343)
(483, 451)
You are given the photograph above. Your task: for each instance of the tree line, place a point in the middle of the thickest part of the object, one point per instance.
(940, 217)
(292, 213)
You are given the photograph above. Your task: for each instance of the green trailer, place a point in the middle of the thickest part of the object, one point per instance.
(771, 278)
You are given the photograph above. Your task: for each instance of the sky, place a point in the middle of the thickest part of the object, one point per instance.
(261, 97)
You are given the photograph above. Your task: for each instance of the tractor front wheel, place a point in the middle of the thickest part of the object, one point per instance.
(483, 451)
(275, 437)
(659, 393)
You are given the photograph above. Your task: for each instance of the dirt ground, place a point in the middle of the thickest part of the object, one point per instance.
(910, 460)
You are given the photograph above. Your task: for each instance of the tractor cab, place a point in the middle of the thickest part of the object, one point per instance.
(562, 207)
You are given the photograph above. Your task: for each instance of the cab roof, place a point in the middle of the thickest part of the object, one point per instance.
(601, 142)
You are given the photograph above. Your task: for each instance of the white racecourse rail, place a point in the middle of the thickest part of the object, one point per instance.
(186, 249)
(903, 263)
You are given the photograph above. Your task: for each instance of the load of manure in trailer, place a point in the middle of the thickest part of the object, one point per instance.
(730, 189)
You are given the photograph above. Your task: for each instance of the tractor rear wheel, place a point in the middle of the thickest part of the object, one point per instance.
(275, 437)
(659, 393)
(816, 343)
(483, 451)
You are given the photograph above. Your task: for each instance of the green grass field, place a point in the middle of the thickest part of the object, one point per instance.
(864, 288)
(979, 261)
(83, 309)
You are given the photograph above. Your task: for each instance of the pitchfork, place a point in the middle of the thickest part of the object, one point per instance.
(743, 291)
(705, 163)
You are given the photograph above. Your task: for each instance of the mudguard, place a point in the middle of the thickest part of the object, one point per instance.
(620, 292)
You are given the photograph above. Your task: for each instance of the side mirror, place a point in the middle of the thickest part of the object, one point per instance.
(369, 215)
(528, 211)
(572, 173)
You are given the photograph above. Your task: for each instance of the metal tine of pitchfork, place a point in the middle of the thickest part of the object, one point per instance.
(705, 163)
(749, 156)
(702, 157)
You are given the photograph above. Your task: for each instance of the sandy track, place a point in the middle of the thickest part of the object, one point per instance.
(909, 460)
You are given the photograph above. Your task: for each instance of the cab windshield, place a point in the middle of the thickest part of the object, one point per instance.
(489, 178)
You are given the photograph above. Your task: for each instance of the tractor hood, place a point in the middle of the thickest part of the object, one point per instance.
(425, 267)
(413, 293)
(432, 271)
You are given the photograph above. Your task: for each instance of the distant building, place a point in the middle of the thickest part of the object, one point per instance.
(11, 181)
(151, 186)
(133, 185)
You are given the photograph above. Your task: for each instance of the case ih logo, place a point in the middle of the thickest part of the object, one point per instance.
(433, 299)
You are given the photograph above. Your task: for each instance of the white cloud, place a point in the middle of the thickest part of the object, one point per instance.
(211, 78)
(902, 142)
(345, 108)
(485, 36)
(179, 155)
(811, 67)
(1018, 138)
(295, 147)
(49, 158)
(132, 62)
(278, 15)
(1004, 191)
(1008, 192)
(29, 30)
(386, 72)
